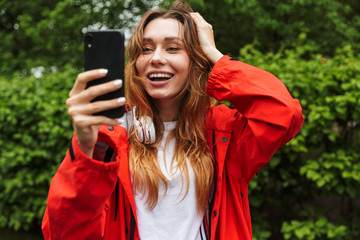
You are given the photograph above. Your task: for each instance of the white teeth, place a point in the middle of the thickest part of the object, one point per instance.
(160, 75)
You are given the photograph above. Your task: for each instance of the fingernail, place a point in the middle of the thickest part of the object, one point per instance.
(121, 100)
(103, 71)
(118, 82)
(120, 121)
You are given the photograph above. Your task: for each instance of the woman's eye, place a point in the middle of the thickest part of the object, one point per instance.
(173, 49)
(145, 50)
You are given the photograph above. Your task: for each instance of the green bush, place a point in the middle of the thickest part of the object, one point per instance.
(274, 24)
(49, 33)
(35, 131)
(309, 188)
(313, 230)
(307, 191)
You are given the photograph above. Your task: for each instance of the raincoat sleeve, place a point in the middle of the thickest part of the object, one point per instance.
(269, 116)
(79, 190)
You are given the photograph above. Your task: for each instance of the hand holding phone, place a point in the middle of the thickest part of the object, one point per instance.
(105, 49)
(81, 109)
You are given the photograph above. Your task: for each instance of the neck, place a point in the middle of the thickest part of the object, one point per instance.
(168, 109)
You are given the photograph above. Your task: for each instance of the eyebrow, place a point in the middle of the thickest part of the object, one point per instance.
(167, 39)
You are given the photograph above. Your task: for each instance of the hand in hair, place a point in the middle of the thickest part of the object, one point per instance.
(206, 38)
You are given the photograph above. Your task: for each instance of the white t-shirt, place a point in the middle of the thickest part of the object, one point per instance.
(171, 218)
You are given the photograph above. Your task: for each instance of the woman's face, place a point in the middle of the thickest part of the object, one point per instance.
(164, 63)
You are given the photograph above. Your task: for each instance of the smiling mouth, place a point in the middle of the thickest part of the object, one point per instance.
(160, 76)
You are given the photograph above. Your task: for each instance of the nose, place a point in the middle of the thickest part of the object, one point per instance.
(157, 58)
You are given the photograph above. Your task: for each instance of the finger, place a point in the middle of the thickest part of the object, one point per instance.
(202, 26)
(92, 92)
(85, 77)
(101, 89)
(205, 31)
(199, 20)
(84, 121)
(95, 107)
(206, 38)
(195, 17)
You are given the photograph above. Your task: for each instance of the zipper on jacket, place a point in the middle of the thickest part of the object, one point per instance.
(126, 223)
(204, 230)
(213, 187)
(132, 224)
(116, 199)
(71, 150)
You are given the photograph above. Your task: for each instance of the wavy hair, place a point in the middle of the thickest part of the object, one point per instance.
(190, 133)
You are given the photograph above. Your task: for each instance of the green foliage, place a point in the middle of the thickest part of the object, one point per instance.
(320, 229)
(310, 187)
(334, 172)
(35, 131)
(261, 229)
(274, 24)
(49, 33)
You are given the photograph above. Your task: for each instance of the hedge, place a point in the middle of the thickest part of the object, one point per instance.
(35, 131)
(309, 190)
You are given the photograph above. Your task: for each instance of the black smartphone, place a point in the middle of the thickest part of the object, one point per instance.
(105, 49)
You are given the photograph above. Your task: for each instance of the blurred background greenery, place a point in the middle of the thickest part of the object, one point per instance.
(311, 187)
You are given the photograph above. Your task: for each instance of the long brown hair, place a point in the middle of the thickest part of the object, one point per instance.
(190, 134)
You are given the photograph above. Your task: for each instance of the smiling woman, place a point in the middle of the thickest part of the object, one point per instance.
(164, 63)
(168, 49)
(177, 167)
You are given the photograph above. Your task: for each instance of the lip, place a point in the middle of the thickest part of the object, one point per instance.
(159, 83)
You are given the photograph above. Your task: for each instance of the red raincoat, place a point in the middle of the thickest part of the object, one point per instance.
(91, 199)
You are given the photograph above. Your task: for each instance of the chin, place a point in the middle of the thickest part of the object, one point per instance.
(161, 96)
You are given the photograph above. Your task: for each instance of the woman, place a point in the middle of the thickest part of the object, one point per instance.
(191, 180)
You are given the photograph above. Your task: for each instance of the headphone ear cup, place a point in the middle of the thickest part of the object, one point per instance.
(149, 131)
(144, 129)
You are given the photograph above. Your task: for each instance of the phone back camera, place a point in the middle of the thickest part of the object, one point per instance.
(89, 37)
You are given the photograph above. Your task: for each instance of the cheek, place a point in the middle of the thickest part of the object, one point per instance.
(140, 65)
(185, 71)
(137, 66)
(185, 65)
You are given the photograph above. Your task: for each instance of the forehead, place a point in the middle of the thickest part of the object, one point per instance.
(163, 27)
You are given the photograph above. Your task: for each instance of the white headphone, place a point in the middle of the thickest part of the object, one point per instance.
(144, 127)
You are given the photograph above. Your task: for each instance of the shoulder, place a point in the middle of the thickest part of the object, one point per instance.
(222, 117)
